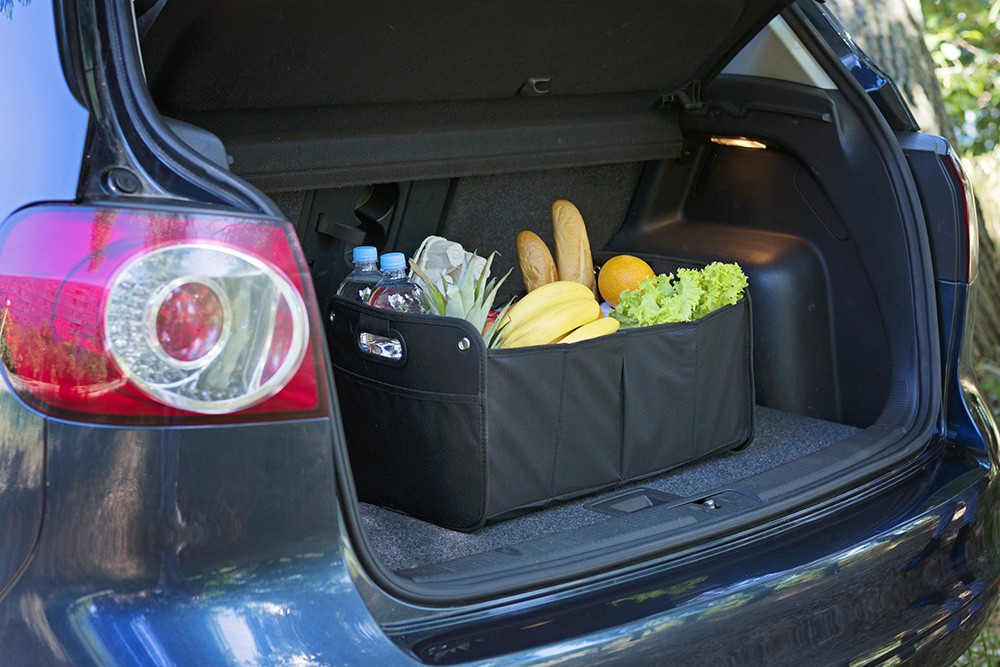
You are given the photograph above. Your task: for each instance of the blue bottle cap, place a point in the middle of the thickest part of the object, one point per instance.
(365, 253)
(392, 261)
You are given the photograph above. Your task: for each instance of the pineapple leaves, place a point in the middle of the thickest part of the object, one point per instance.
(469, 296)
(433, 299)
(494, 333)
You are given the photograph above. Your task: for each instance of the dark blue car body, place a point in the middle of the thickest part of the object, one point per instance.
(97, 565)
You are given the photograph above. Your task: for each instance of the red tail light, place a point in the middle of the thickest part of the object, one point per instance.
(128, 316)
(968, 199)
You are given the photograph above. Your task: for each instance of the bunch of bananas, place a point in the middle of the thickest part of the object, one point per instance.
(563, 311)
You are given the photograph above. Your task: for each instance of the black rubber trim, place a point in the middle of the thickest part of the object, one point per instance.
(129, 132)
(67, 34)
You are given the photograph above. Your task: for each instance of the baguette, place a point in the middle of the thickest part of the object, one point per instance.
(537, 266)
(573, 258)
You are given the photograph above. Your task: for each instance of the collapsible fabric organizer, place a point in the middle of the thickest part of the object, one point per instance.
(458, 434)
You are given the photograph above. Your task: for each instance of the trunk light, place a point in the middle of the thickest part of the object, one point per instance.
(739, 142)
(157, 317)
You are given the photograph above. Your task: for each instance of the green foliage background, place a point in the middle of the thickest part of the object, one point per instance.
(964, 39)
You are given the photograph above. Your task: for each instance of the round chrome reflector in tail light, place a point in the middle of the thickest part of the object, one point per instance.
(190, 321)
(205, 328)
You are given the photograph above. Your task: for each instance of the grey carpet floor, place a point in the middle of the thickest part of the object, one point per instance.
(403, 542)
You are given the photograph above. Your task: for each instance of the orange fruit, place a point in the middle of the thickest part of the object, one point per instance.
(620, 273)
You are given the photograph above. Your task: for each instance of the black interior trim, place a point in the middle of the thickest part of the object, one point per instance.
(252, 54)
(330, 147)
(337, 94)
(129, 132)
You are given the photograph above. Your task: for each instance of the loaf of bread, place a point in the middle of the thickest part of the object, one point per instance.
(537, 265)
(573, 258)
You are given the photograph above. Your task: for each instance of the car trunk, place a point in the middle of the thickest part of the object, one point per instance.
(383, 125)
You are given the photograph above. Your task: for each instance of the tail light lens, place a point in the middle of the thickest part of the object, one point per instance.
(968, 201)
(128, 316)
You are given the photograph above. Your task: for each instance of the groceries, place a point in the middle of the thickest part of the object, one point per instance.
(535, 303)
(573, 258)
(358, 284)
(684, 297)
(548, 314)
(621, 273)
(443, 261)
(396, 291)
(599, 327)
(560, 304)
(465, 291)
(537, 266)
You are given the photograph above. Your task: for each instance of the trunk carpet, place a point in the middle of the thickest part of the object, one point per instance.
(403, 542)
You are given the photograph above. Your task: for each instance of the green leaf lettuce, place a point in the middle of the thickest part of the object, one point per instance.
(683, 297)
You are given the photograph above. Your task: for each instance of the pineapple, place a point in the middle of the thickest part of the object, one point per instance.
(469, 296)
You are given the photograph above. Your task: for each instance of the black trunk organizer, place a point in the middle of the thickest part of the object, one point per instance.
(457, 434)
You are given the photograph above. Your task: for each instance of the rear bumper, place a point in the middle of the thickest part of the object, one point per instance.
(911, 570)
(921, 584)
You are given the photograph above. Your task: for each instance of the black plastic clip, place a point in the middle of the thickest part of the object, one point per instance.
(688, 97)
(535, 86)
(351, 235)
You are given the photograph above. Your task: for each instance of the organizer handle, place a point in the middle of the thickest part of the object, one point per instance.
(378, 341)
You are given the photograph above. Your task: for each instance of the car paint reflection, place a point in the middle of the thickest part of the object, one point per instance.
(910, 582)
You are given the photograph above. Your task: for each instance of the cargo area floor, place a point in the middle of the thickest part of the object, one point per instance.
(404, 543)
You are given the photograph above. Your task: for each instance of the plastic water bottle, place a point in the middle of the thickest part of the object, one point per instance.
(396, 291)
(360, 282)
